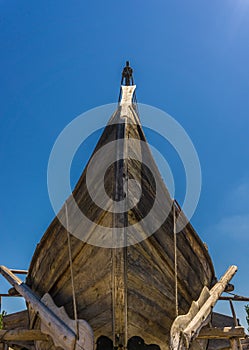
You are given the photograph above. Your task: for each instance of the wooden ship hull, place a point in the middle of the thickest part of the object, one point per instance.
(149, 292)
(128, 290)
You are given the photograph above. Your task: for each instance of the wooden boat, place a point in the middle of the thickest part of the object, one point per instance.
(128, 278)
(126, 291)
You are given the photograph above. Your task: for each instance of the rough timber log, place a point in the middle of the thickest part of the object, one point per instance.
(54, 321)
(186, 327)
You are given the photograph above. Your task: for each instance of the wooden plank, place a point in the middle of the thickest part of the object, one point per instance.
(222, 333)
(19, 272)
(235, 298)
(119, 297)
(119, 253)
(20, 345)
(55, 321)
(154, 262)
(22, 335)
(16, 320)
(49, 241)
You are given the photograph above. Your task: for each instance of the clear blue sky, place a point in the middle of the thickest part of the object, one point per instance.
(60, 58)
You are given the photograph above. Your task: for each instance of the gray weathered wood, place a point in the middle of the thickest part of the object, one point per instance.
(16, 320)
(54, 320)
(235, 344)
(222, 333)
(136, 283)
(186, 327)
(22, 335)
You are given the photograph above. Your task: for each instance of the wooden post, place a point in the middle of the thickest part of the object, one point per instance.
(234, 344)
(235, 321)
(186, 327)
(54, 320)
(206, 309)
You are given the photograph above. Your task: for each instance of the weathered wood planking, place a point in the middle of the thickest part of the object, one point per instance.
(16, 320)
(147, 274)
(20, 334)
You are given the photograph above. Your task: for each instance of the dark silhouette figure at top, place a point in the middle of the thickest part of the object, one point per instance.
(127, 75)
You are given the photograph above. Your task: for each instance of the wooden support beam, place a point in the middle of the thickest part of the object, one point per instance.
(19, 272)
(54, 320)
(201, 316)
(235, 298)
(21, 345)
(22, 335)
(13, 292)
(222, 333)
(186, 327)
(16, 320)
(235, 344)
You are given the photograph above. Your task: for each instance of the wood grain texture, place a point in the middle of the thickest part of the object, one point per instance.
(222, 333)
(16, 320)
(22, 335)
(127, 290)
